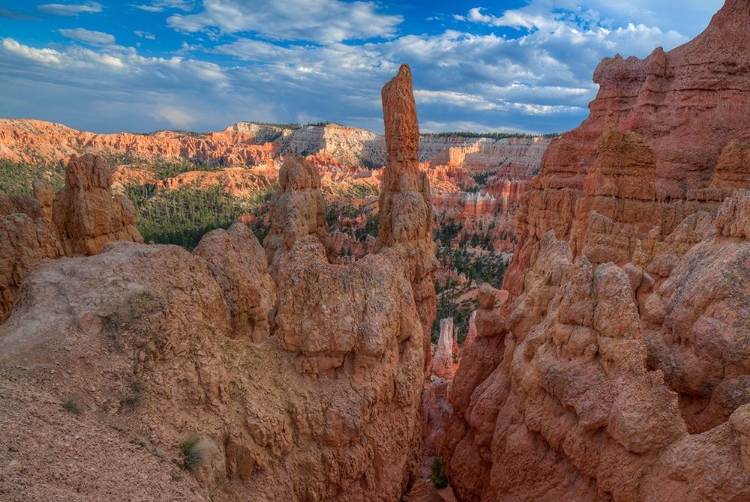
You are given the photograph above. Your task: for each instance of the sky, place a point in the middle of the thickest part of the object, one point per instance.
(477, 65)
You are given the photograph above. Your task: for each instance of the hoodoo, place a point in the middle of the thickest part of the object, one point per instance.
(616, 371)
(304, 384)
(405, 203)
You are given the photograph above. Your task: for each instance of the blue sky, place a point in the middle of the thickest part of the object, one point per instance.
(519, 65)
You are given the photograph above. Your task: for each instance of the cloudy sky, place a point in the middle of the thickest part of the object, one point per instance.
(516, 65)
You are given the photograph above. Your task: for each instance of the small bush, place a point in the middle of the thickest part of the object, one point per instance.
(437, 473)
(195, 451)
(72, 405)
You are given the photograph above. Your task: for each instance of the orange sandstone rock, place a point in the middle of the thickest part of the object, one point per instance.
(405, 203)
(85, 212)
(616, 369)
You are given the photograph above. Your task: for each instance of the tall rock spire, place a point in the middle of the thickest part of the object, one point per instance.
(405, 202)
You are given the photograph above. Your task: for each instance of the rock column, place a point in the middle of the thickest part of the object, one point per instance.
(405, 202)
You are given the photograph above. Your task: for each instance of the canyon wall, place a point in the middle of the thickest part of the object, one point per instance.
(614, 371)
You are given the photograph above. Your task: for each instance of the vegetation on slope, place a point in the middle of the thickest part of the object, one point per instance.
(16, 177)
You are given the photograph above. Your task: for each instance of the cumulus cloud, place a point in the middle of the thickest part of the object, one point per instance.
(321, 21)
(58, 9)
(88, 36)
(12, 47)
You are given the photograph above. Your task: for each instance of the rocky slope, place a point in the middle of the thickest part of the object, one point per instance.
(304, 385)
(615, 370)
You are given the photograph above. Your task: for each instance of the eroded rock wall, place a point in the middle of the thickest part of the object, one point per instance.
(614, 371)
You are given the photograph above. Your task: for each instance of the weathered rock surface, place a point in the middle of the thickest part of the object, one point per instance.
(303, 389)
(616, 369)
(298, 210)
(405, 202)
(80, 219)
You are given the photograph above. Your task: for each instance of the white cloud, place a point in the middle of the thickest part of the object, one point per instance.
(161, 5)
(176, 116)
(322, 21)
(38, 55)
(145, 34)
(57, 9)
(535, 80)
(88, 36)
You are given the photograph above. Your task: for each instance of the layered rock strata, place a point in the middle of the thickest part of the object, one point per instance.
(615, 369)
(405, 202)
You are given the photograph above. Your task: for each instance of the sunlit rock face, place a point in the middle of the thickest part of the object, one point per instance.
(405, 200)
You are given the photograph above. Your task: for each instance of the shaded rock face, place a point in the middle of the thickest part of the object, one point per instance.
(80, 219)
(405, 202)
(616, 369)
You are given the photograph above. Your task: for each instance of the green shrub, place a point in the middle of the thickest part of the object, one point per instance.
(195, 451)
(437, 473)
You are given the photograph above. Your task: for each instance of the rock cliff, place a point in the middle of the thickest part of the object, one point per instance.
(613, 371)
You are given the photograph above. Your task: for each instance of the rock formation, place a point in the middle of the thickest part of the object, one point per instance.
(405, 203)
(614, 371)
(442, 363)
(80, 219)
(298, 209)
(306, 387)
(85, 212)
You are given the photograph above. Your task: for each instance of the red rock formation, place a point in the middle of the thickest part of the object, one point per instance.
(85, 212)
(297, 210)
(80, 219)
(615, 370)
(687, 105)
(405, 203)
